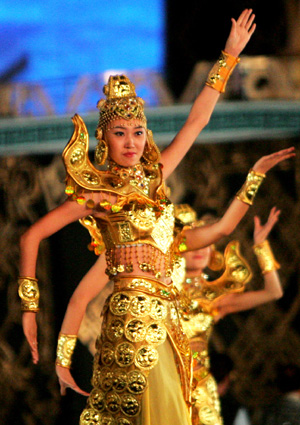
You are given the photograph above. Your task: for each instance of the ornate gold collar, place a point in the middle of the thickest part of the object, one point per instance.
(135, 175)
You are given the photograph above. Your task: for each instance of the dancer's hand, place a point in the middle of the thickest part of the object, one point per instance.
(66, 380)
(261, 232)
(30, 332)
(267, 162)
(240, 33)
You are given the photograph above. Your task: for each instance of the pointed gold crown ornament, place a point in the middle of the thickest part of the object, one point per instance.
(122, 103)
(185, 214)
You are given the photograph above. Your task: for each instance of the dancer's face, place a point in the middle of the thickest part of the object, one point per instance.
(126, 141)
(198, 259)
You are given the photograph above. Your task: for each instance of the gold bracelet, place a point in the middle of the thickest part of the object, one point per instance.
(221, 71)
(65, 348)
(249, 189)
(265, 257)
(29, 293)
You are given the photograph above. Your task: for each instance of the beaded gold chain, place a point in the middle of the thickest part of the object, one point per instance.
(135, 175)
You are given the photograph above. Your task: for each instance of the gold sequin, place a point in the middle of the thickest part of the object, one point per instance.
(146, 357)
(135, 330)
(90, 417)
(137, 382)
(158, 309)
(119, 303)
(129, 405)
(120, 380)
(106, 379)
(140, 306)
(156, 334)
(96, 399)
(113, 402)
(115, 329)
(124, 354)
(107, 354)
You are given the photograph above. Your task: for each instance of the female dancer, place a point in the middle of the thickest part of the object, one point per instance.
(210, 300)
(141, 329)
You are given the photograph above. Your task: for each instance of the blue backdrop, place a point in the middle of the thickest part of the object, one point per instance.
(59, 39)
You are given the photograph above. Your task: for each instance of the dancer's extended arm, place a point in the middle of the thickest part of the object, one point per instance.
(200, 237)
(272, 289)
(200, 113)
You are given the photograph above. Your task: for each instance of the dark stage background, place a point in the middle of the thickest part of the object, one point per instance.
(197, 31)
(257, 341)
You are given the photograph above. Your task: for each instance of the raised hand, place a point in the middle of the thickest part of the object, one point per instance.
(30, 332)
(240, 33)
(66, 380)
(267, 162)
(261, 232)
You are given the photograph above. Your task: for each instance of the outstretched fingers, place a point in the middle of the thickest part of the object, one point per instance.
(244, 16)
(274, 214)
(66, 380)
(250, 22)
(246, 19)
(261, 232)
(72, 385)
(273, 218)
(284, 154)
(267, 162)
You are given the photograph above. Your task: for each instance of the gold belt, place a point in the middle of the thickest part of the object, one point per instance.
(146, 285)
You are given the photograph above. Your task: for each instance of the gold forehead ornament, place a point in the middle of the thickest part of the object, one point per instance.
(121, 102)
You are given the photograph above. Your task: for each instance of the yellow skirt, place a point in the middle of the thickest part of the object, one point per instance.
(163, 402)
(142, 370)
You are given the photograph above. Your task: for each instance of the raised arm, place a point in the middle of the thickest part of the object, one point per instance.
(200, 237)
(91, 284)
(272, 289)
(200, 113)
(29, 246)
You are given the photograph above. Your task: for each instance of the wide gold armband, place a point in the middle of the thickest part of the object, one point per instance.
(29, 293)
(65, 348)
(249, 189)
(221, 71)
(265, 257)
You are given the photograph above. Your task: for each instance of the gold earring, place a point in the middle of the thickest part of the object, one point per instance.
(216, 261)
(151, 153)
(101, 151)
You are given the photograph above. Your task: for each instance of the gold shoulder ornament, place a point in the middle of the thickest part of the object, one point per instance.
(79, 168)
(237, 271)
(97, 244)
(234, 278)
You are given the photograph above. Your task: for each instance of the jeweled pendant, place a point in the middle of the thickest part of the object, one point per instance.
(69, 190)
(80, 200)
(105, 204)
(116, 208)
(120, 268)
(90, 204)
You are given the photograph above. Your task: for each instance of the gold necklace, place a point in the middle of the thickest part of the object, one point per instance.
(135, 175)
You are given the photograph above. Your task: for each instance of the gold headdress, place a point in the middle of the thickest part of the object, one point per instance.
(186, 215)
(122, 102)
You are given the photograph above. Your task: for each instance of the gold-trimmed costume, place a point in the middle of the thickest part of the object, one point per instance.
(29, 293)
(133, 221)
(221, 71)
(265, 257)
(198, 320)
(139, 317)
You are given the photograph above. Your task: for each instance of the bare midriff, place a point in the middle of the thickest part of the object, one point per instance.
(139, 260)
